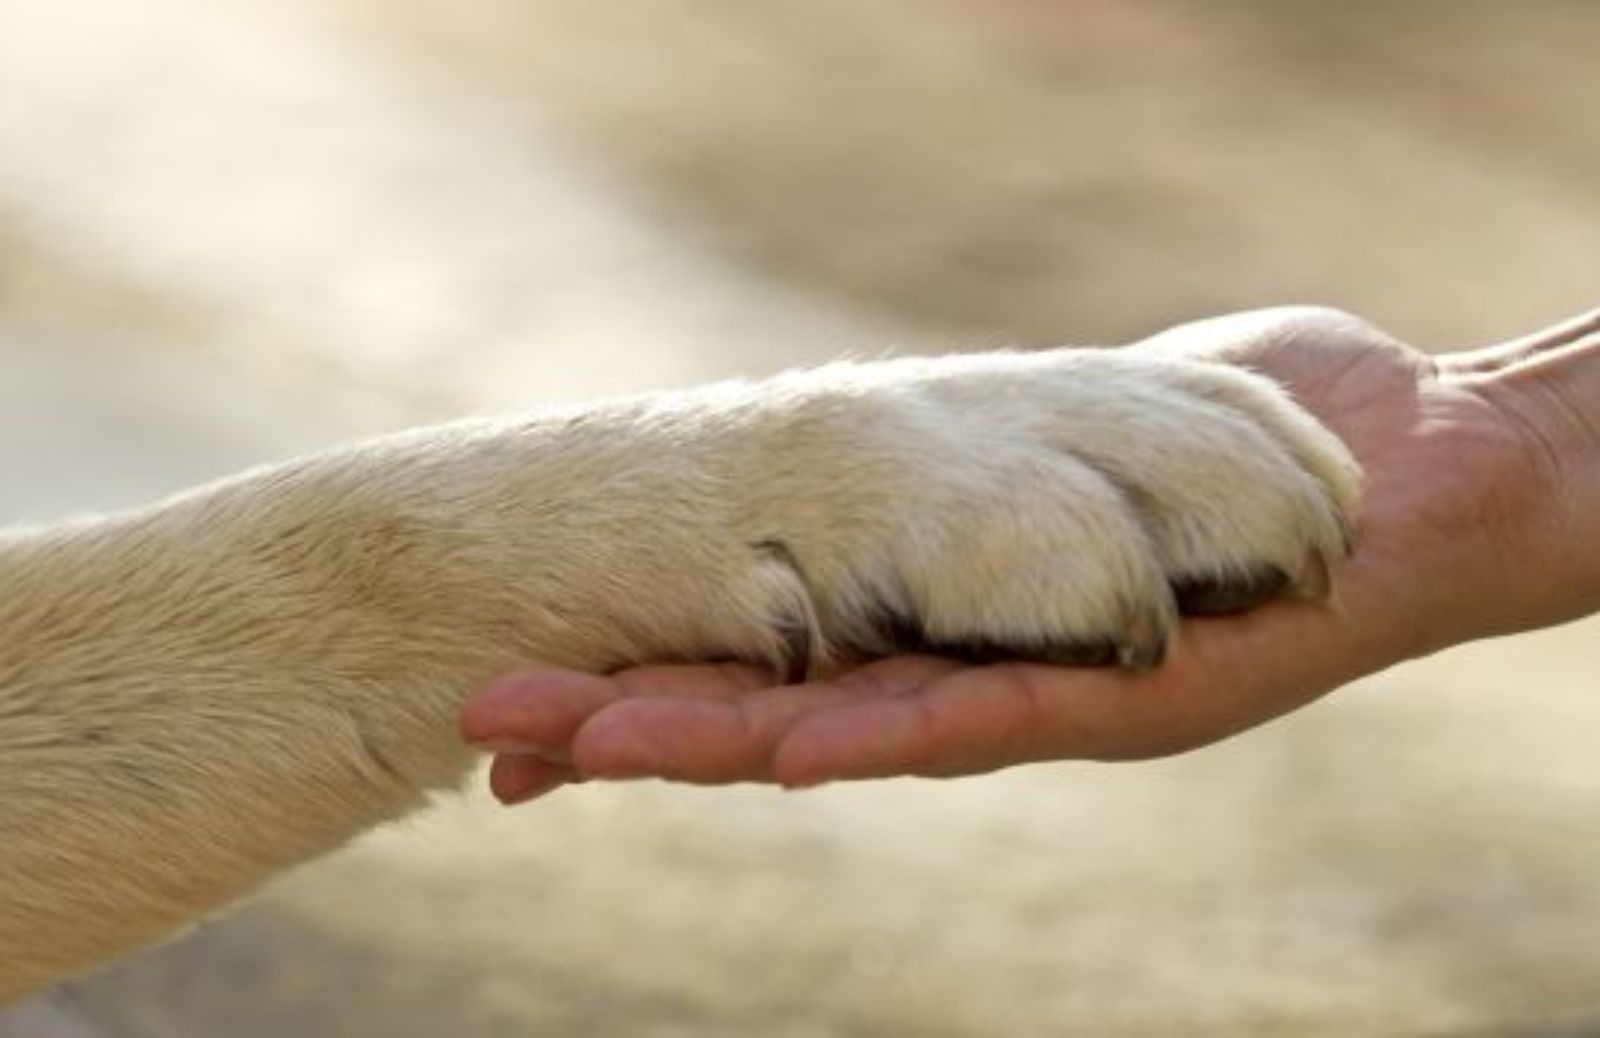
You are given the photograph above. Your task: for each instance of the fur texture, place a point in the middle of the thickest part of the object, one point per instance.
(198, 695)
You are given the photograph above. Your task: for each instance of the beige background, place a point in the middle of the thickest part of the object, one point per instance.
(234, 229)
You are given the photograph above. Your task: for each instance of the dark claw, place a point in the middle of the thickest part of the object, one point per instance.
(984, 651)
(1221, 596)
(900, 633)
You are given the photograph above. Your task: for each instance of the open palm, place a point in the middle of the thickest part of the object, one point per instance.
(1451, 530)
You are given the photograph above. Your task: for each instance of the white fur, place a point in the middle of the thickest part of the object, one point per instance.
(198, 695)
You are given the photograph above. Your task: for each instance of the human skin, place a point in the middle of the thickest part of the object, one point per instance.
(1482, 499)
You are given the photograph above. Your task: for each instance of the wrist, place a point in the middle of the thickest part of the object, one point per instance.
(1551, 405)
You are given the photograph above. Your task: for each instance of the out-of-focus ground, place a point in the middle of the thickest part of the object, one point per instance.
(233, 229)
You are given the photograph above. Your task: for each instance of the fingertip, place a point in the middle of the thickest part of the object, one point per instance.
(513, 687)
(531, 704)
(519, 778)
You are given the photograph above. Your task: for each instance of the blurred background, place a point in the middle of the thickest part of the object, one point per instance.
(233, 229)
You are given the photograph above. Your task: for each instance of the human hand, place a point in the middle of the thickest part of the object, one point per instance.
(1466, 531)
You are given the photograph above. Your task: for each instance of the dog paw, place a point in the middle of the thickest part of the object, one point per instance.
(1065, 506)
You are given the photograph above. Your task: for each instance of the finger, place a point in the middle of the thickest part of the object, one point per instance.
(540, 709)
(534, 711)
(519, 778)
(1507, 354)
(728, 739)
